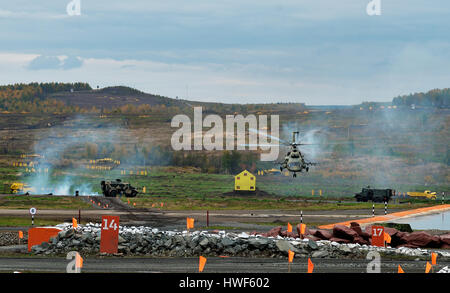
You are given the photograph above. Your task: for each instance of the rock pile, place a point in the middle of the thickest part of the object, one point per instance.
(10, 238)
(354, 234)
(153, 242)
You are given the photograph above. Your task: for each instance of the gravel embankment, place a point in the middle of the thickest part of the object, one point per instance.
(153, 242)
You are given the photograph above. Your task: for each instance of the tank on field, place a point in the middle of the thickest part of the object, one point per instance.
(375, 195)
(117, 187)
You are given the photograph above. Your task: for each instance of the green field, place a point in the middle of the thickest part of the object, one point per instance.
(42, 202)
(199, 191)
(25, 222)
(399, 149)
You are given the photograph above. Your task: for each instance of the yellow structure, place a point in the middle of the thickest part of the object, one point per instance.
(272, 172)
(426, 194)
(136, 172)
(244, 181)
(18, 187)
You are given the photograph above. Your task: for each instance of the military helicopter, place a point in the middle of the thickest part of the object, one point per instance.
(294, 161)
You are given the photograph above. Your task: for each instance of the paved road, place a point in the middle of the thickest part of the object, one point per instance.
(213, 265)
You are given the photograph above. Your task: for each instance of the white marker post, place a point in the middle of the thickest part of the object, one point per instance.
(32, 212)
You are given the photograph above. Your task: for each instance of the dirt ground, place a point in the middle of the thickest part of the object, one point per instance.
(230, 220)
(214, 265)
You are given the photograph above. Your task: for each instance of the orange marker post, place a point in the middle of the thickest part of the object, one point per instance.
(310, 266)
(20, 236)
(433, 258)
(74, 223)
(78, 261)
(291, 255)
(387, 238)
(189, 223)
(428, 268)
(302, 229)
(289, 227)
(290, 259)
(201, 264)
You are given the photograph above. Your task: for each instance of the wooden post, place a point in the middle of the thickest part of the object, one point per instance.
(207, 218)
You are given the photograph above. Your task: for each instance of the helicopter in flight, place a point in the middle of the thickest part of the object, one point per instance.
(294, 161)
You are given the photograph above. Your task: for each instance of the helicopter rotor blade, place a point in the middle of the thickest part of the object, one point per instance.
(269, 136)
(328, 143)
(258, 145)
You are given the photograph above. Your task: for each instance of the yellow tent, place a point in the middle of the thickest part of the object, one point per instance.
(244, 181)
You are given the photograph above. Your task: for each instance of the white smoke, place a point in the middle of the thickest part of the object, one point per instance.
(313, 137)
(53, 149)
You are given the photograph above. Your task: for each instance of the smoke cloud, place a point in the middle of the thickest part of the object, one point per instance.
(64, 153)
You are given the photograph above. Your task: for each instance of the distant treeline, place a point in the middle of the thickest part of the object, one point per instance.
(223, 162)
(32, 97)
(34, 90)
(37, 98)
(434, 98)
(226, 162)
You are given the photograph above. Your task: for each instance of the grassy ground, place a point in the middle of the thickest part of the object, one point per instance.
(252, 203)
(42, 202)
(25, 222)
(183, 190)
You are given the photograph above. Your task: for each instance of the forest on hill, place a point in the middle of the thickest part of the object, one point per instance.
(33, 97)
(435, 98)
(79, 97)
(67, 98)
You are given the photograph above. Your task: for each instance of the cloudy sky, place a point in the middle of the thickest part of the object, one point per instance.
(312, 51)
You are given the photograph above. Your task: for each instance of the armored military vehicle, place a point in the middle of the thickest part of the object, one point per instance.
(117, 187)
(375, 195)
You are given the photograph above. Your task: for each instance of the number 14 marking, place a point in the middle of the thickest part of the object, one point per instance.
(112, 225)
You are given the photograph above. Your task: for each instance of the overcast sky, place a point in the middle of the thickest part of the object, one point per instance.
(247, 51)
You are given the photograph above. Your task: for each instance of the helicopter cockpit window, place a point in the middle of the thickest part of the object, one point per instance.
(295, 156)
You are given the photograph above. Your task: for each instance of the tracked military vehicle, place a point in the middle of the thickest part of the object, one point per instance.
(117, 187)
(375, 195)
